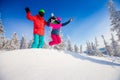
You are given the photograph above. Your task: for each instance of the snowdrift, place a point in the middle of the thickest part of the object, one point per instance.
(49, 64)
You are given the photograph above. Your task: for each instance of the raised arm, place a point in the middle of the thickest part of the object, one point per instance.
(63, 24)
(28, 14)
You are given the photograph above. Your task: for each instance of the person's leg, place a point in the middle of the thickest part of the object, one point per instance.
(58, 39)
(36, 41)
(41, 41)
(54, 40)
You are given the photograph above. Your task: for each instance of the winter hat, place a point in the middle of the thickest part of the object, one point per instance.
(58, 20)
(42, 10)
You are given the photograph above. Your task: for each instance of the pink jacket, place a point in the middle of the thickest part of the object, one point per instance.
(55, 26)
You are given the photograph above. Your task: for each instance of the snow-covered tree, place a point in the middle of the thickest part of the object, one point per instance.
(30, 43)
(96, 42)
(115, 47)
(76, 48)
(92, 49)
(107, 47)
(93, 46)
(1, 26)
(81, 49)
(7, 45)
(97, 51)
(3, 41)
(111, 8)
(23, 43)
(115, 18)
(89, 49)
(12, 44)
(46, 46)
(69, 45)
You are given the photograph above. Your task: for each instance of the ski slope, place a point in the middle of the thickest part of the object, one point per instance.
(49, 64)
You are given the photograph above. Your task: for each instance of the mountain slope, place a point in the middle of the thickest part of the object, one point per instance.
(45, 64)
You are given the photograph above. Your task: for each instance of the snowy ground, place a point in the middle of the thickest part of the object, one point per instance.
(45, 64)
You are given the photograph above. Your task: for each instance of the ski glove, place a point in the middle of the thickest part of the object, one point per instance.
(27, 9)
(71, 19)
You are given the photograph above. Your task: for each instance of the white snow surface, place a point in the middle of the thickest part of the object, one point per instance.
(49, 64)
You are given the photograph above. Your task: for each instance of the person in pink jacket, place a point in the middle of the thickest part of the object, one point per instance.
(55, 23)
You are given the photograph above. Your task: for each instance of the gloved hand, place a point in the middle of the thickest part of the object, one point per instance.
(71, 19)
(27, 9)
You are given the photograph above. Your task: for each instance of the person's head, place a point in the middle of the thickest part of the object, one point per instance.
(41, 12)
(58, 20)
(55, 20)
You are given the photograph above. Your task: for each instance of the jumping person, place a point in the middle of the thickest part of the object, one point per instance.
(39, 24)
(55, 23)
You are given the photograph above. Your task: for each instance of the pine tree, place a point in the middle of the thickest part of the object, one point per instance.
(45, 46)
(89, 48)
(96, 42)
(15, 42)
(23, 43)
(30, 43)
(7, 45)
(115, 47)
(111, 8)
(76, 48)
(12, 44)
(3, 39)
(115, 18)
(1, 26)
(92, 49)
(69, 47)
(81, 49)
(97, 51)
(107, 47)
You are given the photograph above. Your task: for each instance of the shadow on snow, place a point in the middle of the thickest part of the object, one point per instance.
(76, 55)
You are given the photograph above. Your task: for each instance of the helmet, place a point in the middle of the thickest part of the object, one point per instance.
(42, 10)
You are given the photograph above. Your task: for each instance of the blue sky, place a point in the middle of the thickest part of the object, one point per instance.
(91, 17)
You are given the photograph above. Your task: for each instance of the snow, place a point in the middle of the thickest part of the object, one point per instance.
(49, 64)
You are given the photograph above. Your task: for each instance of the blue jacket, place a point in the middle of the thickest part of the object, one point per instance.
(57, 31)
